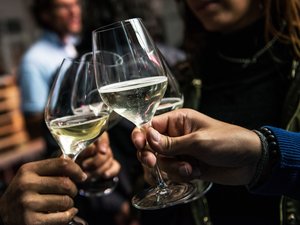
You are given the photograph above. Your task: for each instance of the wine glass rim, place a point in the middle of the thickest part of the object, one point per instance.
(115, 25)
(79, 61)
(119, 59)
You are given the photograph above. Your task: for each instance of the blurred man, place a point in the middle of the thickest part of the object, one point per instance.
(61, 25)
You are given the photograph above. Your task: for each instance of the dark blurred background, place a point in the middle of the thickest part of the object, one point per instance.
(17, 31)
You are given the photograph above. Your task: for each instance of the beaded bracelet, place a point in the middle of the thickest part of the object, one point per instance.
(272, 143)
(269, 156)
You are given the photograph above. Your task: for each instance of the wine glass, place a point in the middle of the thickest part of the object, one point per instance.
(172, 100)
(134, 90)
(86, 101)
(74, 131)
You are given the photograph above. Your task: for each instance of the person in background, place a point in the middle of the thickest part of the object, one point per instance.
(60, 22)
(102, 13)
(154, 14)
(266, 161)
(243, 68)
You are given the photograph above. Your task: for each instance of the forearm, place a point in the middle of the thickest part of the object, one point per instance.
(283, 177)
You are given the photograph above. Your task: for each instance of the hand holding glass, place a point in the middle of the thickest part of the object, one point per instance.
(134, 90)
(86, 102)
(73, 131)
(172, 100)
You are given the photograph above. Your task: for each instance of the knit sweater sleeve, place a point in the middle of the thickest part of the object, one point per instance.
(285, 176)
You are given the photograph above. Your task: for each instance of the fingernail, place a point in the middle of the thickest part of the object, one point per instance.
(106, 175)
(103, 149)
(84, 177)
(155, 135)
(75, 211)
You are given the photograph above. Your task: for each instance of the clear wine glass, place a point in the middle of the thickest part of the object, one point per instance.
(172, 100)
(134, 90)
(86, 101)
(74, 131)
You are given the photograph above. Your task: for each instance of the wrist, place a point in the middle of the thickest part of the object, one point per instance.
(269, 157)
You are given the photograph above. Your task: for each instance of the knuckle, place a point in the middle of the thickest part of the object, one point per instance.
(63, 164)
(66, 184)
(23, 169)
(27, 201)
(22, 185)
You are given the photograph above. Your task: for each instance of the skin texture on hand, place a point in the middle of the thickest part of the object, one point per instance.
(191, 145)
(98, 159)
(42, 193)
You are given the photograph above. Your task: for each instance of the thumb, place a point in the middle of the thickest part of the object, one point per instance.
(169, 146)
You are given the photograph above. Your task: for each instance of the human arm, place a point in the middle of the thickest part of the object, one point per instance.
(42, 193)
(196, 146)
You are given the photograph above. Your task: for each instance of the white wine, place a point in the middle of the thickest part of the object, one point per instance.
(136, 100)
(76, 132)
(169, 104)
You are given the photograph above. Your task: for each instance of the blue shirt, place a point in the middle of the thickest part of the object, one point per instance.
(285, 176)
(38, 68)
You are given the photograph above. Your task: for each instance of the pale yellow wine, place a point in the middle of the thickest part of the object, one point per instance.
(76, 132)
(137, 99)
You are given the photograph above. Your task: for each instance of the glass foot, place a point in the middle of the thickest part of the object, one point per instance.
(77, 221)
(157, 198)
(202, 188)
(98, 187)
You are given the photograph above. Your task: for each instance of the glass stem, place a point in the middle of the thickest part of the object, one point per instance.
(71, 156)
(160, 183)
(159, 179)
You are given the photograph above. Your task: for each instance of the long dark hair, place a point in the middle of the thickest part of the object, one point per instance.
(275, 13)
(289, 12)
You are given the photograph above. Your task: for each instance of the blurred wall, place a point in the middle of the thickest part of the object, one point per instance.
(16, 32)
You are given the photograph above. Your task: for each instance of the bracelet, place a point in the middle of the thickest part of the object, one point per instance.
(269, 156)
(262, 161)
(273, 147)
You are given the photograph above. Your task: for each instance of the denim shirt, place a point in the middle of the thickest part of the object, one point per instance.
(38, 67)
